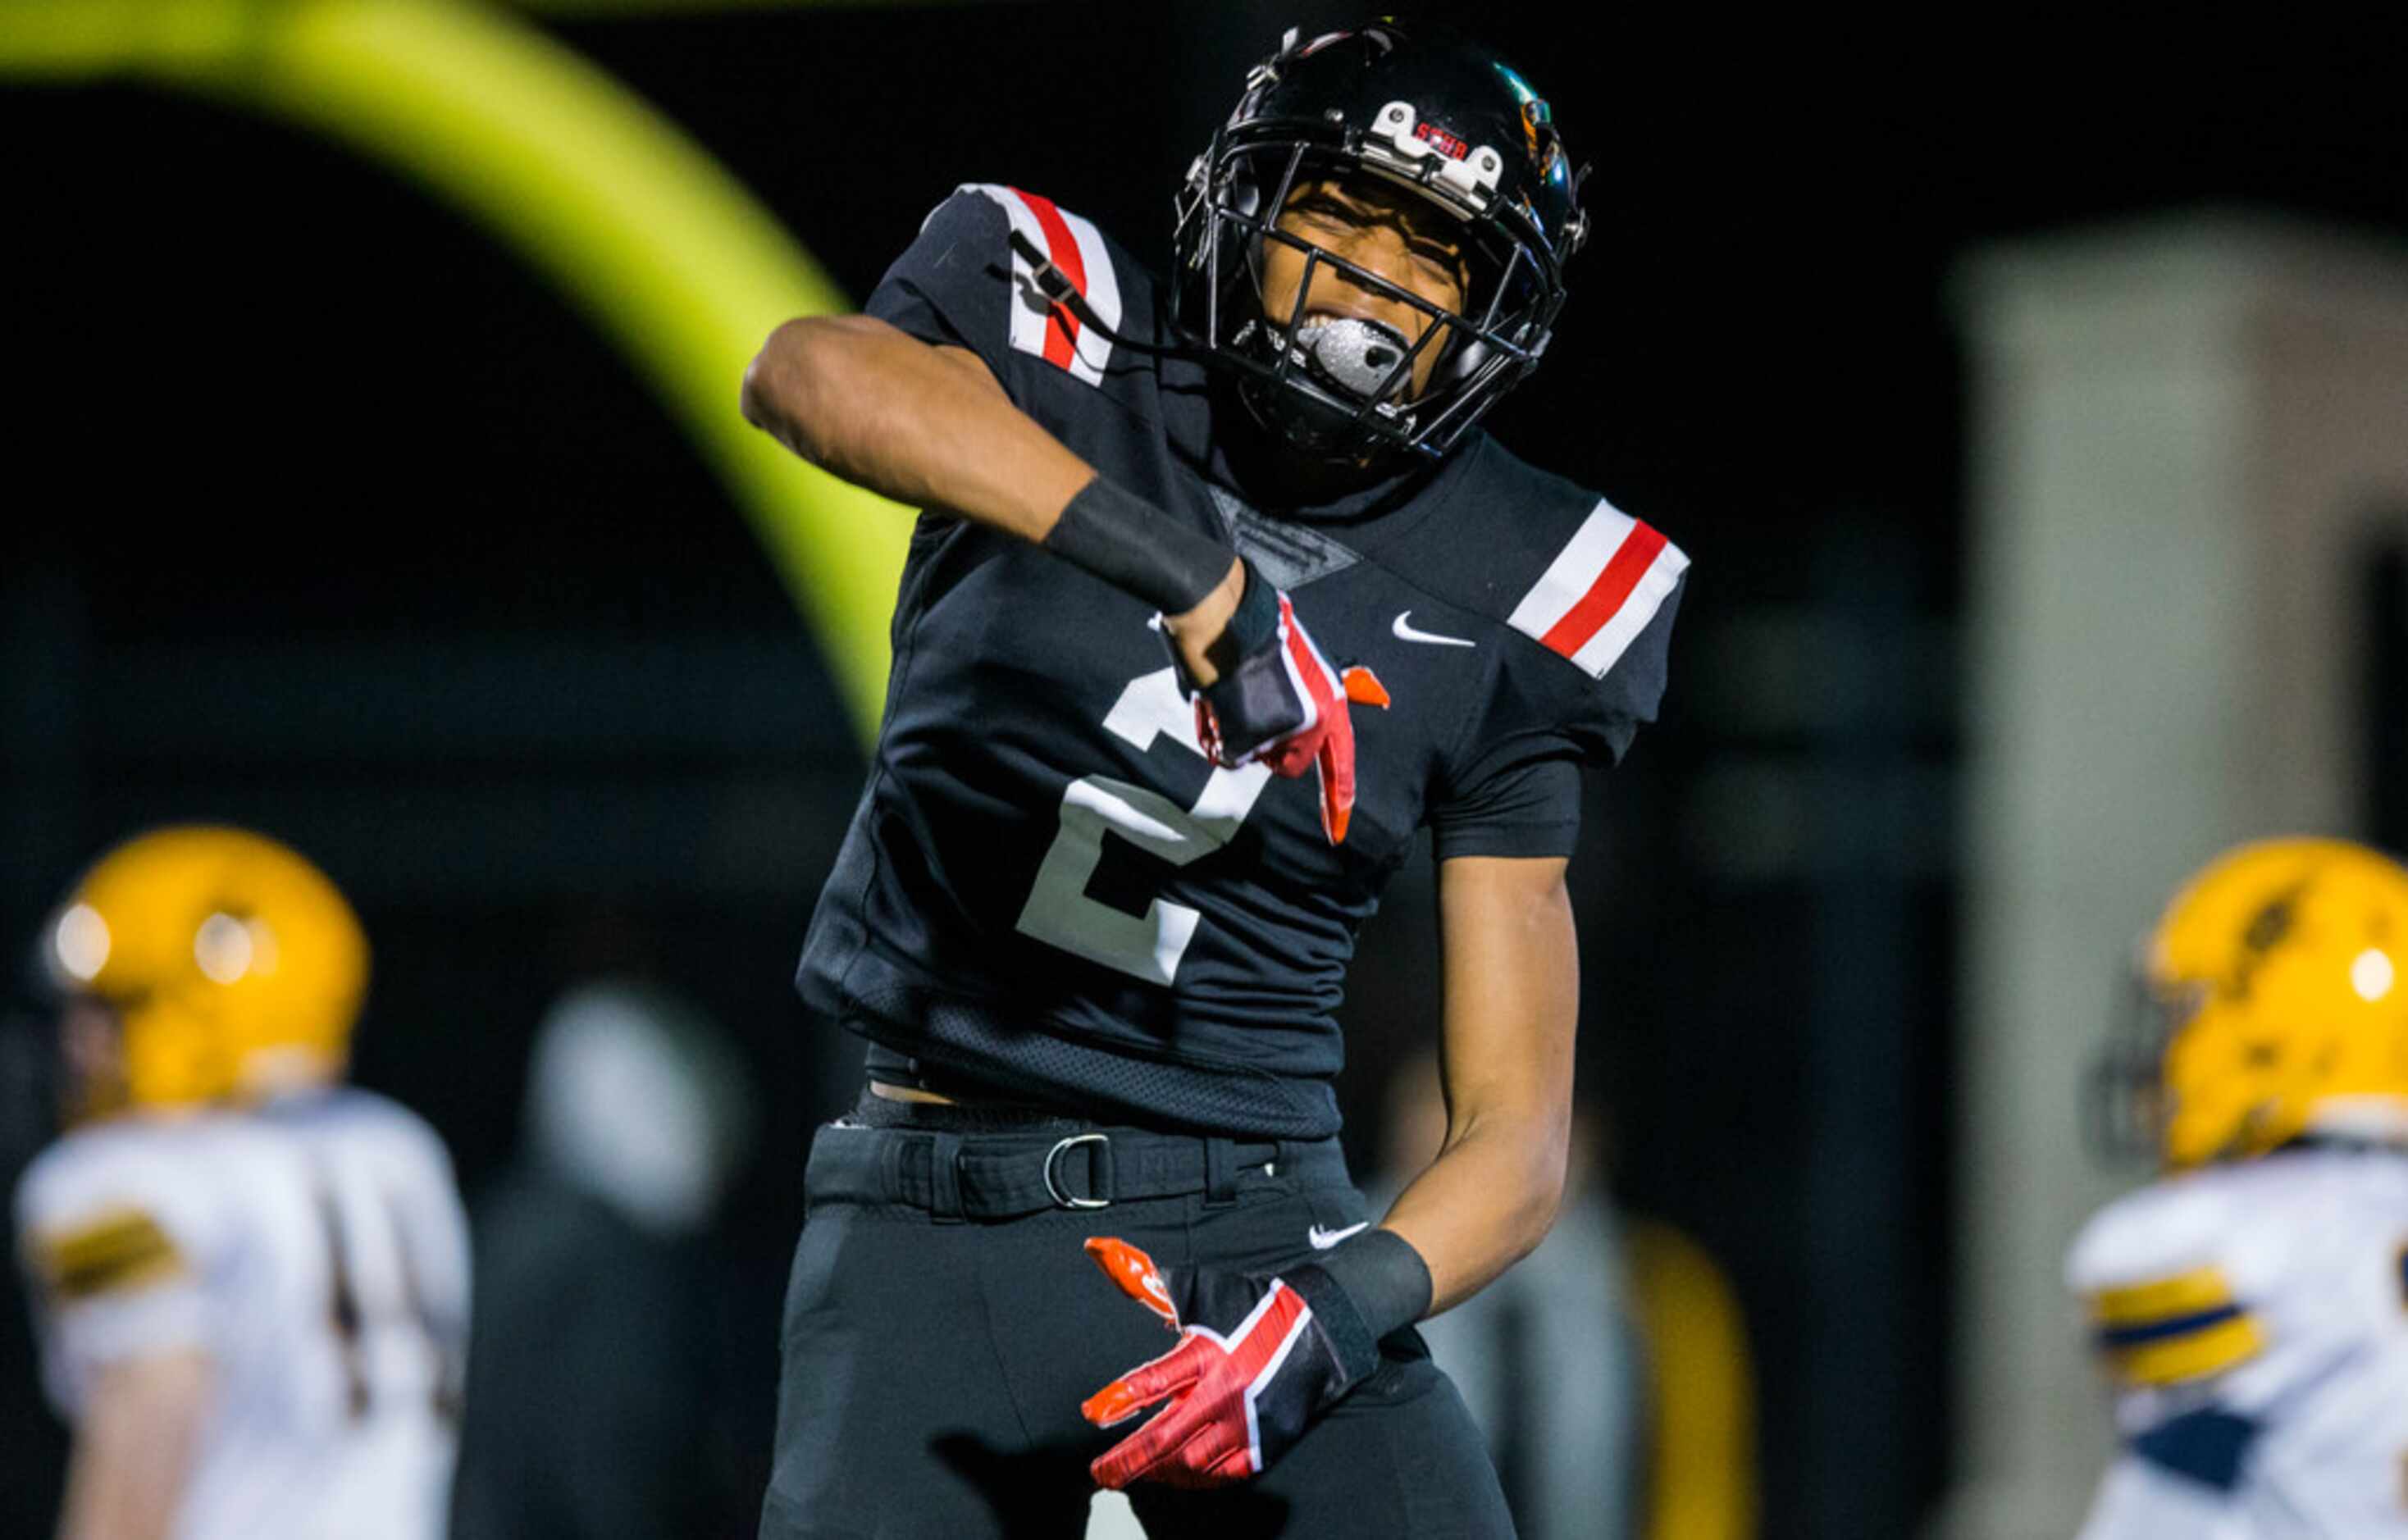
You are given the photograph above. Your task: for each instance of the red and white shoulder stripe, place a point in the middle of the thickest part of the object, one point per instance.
(1076, 246)
(1601, 590)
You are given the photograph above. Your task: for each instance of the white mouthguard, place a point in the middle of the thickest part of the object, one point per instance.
(1357, 356)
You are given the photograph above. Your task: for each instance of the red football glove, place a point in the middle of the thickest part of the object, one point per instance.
(1282, 704)
(1253, 1367)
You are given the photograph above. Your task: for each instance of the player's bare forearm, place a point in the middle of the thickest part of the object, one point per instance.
(931, 426)
(1512, 1004)
(134, 1445)
(1482, 1205)
(924, 425)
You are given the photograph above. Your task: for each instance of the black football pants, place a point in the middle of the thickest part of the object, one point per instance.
(935, 1350)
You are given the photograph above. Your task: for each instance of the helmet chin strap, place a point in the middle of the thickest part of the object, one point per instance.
(1055, 285)
(1354, 356)
(1315, 427)
(1350, 356)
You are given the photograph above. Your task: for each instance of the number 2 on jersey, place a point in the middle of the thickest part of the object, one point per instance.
(1059, 910)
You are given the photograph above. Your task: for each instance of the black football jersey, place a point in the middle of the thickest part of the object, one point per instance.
(1047, 888)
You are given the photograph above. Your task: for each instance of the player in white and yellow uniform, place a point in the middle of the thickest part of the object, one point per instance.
(2251, 1306)
(250, 1282)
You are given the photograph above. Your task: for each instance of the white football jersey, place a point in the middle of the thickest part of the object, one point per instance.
(315, 1249)
(2254, 1320)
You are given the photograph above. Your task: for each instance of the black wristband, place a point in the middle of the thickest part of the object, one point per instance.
(1363, 1291)
(1139, 549)
(1251, 633)
(1253, 625)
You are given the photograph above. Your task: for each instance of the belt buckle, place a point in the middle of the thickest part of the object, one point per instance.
(1053, 1190)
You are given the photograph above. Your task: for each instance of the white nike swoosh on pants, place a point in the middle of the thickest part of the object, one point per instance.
(1406, 632)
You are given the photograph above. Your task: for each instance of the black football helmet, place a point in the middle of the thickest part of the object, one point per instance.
(1419, 109)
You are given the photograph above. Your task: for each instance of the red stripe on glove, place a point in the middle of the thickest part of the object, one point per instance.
(1205, 1434)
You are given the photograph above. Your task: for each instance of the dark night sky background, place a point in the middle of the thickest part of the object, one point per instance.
(325, 515)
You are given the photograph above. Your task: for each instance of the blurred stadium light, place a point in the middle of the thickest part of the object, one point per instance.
(674, 260)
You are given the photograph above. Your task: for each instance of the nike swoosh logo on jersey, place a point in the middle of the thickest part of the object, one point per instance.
(1324, 1239)
(1406, 632)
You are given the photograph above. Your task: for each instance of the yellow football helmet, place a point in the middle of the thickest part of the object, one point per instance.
(230, 963)
(2276, 979)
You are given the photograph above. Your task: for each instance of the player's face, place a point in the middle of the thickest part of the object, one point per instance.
(1385, 231)
(91, 1053)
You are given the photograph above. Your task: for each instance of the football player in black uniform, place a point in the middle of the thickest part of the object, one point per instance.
(1219, 597)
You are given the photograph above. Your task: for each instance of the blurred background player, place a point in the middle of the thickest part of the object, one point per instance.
(2251, 1306)
(250, 1281)
(599, 1293)
(1547, 1357)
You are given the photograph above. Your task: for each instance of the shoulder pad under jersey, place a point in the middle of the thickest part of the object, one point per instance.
(1550, 559)
(981, 287)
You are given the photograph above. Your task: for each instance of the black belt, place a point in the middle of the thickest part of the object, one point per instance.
(1004, 1175)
